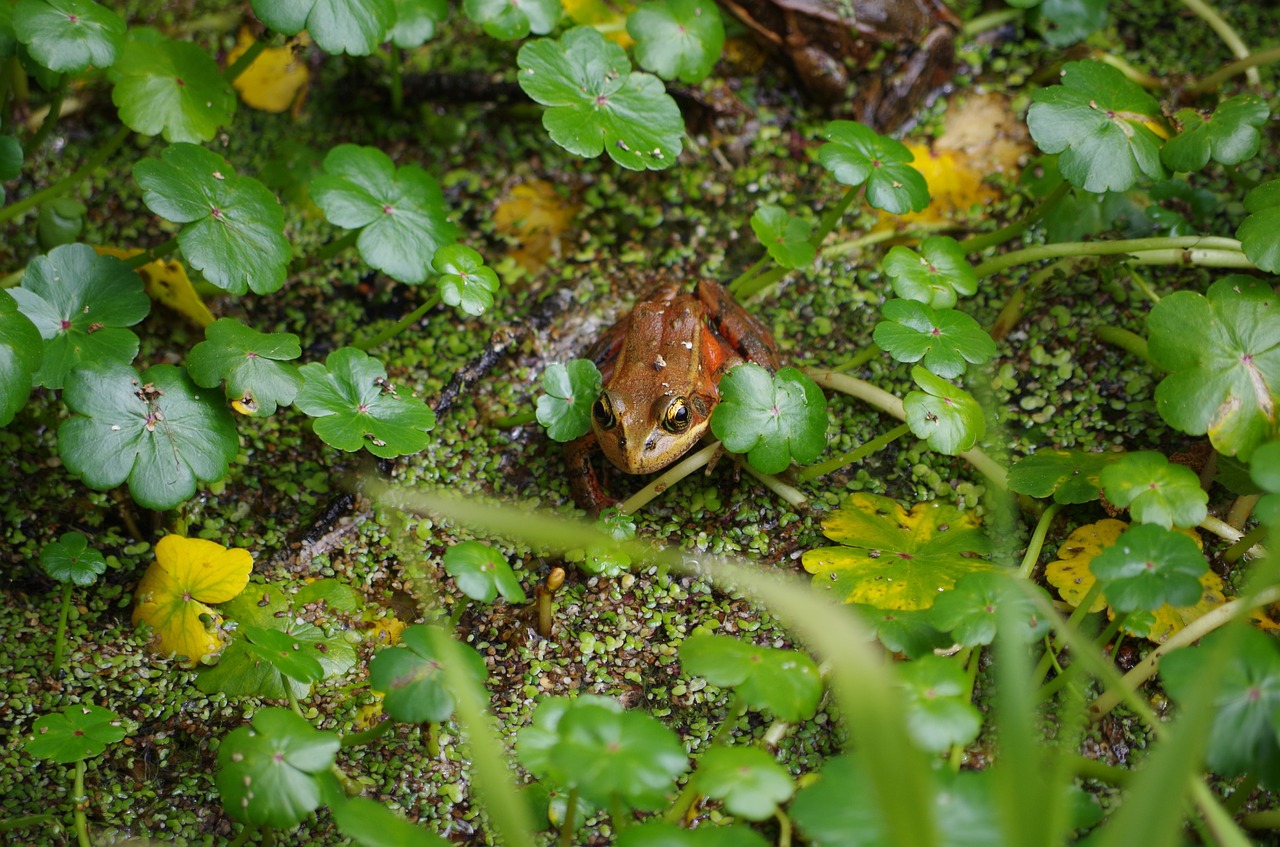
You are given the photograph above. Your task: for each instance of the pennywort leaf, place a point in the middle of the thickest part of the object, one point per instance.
(776, 419)
(70, 559)
(253, 365)
(936, 275)
(855, 155)
(171, 88)
(76, 733)
(67, 36)
(1231, 135)
(465, 282)
(677, 39)
(785, 236)
(509, 20)
(355, 27)
(1155, 491)
(569, 391)
(944, 415)
(945, 340)
(21, 351)
(276, 772)
(412, 677)
(1259, 233)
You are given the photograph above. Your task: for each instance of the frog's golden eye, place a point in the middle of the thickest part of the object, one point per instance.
(602, 412)
(676, 418)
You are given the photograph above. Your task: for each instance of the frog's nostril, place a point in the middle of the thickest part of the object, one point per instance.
(650, 444)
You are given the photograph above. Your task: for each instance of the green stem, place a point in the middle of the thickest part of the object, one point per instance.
(1036, 544)
(855, 455)
(60, 640)
(1269, 819)
(65, 185)
(752, 286)
(241, 64)
(617, 813)
(790, 495)
(24, 822)
(784, 828)
(1241, 793)
(833, 216)
(78, 801)
(1087, 768)
(1077, 614)
(1238, 549)
(1101, 248)
(680, 807)
(668, 478)
(990, 20)
(366, 736)
(1199, 258)
(397, 85)
(978, 243)
(1224, 30)
(879, 236)
(749, 273)
(1132, 343)
(1140, 282)
(459, 609)
(293, 699)
(46, 126)
(1134, 75)
(326, 252)
(399, 326)
(1253, 60)
(570, 812)
(971, 679)
(146, 257)
(859, 359)
(522, 419)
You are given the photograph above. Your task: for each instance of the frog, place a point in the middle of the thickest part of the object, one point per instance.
(820, 38)
(660, 368)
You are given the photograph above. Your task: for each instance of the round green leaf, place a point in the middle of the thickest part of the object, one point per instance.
(371, 824)
(80, 302)
(465, 282)
(412, 675)
(677, 39)
(68, 36)
(935, 276)
(908, 632)
(1065, 22)
(60, 222)
(482, 573)
(1097, 119)
(74, 734)
(1259, 233)
(1071, 476)
(355, 406)
(776, 419)
(838, 810)
(570, 390)
(749, 782)
(251, 363)
(785, 236)
(234, 229)
(158, 431)
(944, 415)
(71, 559)
(972, 610)
(171, 88)
(597, 104)
(511, 19)
(1148, 567)
(939, 711)
(856, 154)
(1223, 354)
(284, 653)
(272, 774)
(785, 682)
(400, 212)
(1231, 135)
(1156, 491)
(416, 22)
(21, 351)
(356, 27)
(610, 562)
(944, 339)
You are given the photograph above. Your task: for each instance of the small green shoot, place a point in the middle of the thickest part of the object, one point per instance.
(355, 27)
(173, 89)
(61, 221)
(71, 561)
(68, 36)
(945, 340)
(21, 352)
(944, 415)
(785, 236)
(856, 155)
(482, 573)
(1070, 476)
(775, 419)
(1231, 135)
(784, 682)
(254, 366)
(677, 39)
(747, 780)
(1155, 491)
(1150, 566)
(509, 21)
(937, 275)
(569, 391)
(412, 676)
(466, 283)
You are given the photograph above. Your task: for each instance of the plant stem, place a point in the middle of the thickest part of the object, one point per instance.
(66, 184)
(399, 326)
(1036, 544)
(511, 421)
(146, 257)
(754, 285)
(1270, 819)
(397, 85)
(1230, 534)
(1101, 248)
(1078, 613)
(859, 359)
(1134, 75)
(242, 63)
(1249, 539)
(1140, 282)
(749, 273)
(50, 119)
(1130, 342)
(78, 801)
(1199, 258)
(293, 699)
(792, 496)
(1241, 793)
(1086, 768)
(617, 813)
(784, 828)
(60, 640)
(990, 20)
(570, 812)
(1224, 30)
(459, 609)
(855, 455)
(1248, 63)
(978, 243)
(879, 236)
(366, 736)
(971, 678)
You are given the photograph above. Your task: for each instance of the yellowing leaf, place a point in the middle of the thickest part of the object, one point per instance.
(171, 598)
(955, 186)
(167, 283)
(605, 15)
(534, 215)
(385, 630)
(370, 714)
(274, 80)
(896, 559)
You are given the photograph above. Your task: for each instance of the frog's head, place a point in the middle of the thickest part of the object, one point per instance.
(645, 434)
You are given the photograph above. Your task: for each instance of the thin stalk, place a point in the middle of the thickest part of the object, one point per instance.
(399, 326)
(784, 828)
(1248, 63)
(242, 63)
(365, 736)
(879, 236)
(146, 257)
(855, 455)
(1224, 831)
(689, 794)
(1241, 793)
(1101, 248)
(990, 20)
(1130, 342)
(50, 119)
(1270, 819)
(792, 496)
(1241, 507)
(1199, 258)
(459, 609)
(65, 185)
(1249, 539)
(1057, 645)
(1230, 534)
(1224, 30)
(326, 252)
(749, 273)
(971, 677)
(859, 359)
(60, 640)
(754, 285)
(293, 699)
(617, 813)
(1011, 312)
(1036, 544)
(78, 801)
(1142, 78)
(1140, 282)
(1087, 768)
(670, 477)
(512, 421)
(397, 84)
(570, 812)
(978, 243)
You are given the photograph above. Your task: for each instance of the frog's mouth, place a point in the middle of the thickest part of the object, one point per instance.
(648, 453)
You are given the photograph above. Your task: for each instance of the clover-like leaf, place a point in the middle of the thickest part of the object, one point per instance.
(936, 275)
(1100, 122)
(355, 406)
(509, 20)
(1156, 491)
(944, 415)
(1231, 135)
(1064, 22)
(606, 753)
(21, 352)
(371, 824)
(658, 834)
(939, 711)
(283, 653)
(945, 339)
(76, 733)
(785, 236)
(597, 104)
(749, 781)
(465, 282)
(569, 390)
(896, 559)
(80, 302)
(776, 419)
(908, 632)
(254, 366)
(482, 573)
(1244, 737)
(171, 88)
(1148, 567)
(785, 682)
(158, 431)
(856, 154)
(187, 574)
(416, 22)
(412, 676)
(60, 222)
(71, 559)
(972, 609)
(274, 774)
(1071, 476)
(1259, 233)
(1223, 354)
(355, 27)
(68, 36)
(400, 212)
(677, 39)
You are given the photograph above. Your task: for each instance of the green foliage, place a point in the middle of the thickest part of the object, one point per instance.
(677, 39)
(908, 632)
(356, 27)
(785, 236)
(776, 419)
(76, 733)
(939, 713)
(973, 611)
(173, 89)
(1071, 476)
(371, 824)
(855, 155)
(68, 36)
(784, 682)
(1064, 22)
(465, 282)
(936, 275)
(1231, 135)
(1265, 472)
(10, 160)
(416, 21)
(60, 222)
(21, 352)
(657, 834)
(610, 563)
(509, 21)
(597, 104)
(747, 780)
(1155, 491)
(413, 677)
(944, 339)
(569, 392)
(70, 559)
(944, 415)
(482, 573)
(1150, 566)
(1259, 233)
(253, 365)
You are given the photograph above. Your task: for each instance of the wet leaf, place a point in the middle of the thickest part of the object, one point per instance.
(356, 27)
(747, 780)
(785, 236)
(274, 773)
(534, 216)
(944, 415)
(1065, 22)
(972, 609)
(935, 276)
(1149, 567)
(60, 222)
(677, 39)
(465, 282)
(1259, 233)
(253, 365)
(943, 339)
(71, 559)
(939, 711)
(1071, 476)
(508, 20)
(776, 419)
(855, 154)
(283, 653)
(21, 352)
(569, 391)
(412, 676)
(371, 824)
(482, 573)
(1231, 135)
(1070, 572)
(1155, 491)
(417, 21)
(171, 88)
(784, 682)
(166, 283)
(67, 36)
(896, 559)
(275, 79)
(907, 632)
(76, 733)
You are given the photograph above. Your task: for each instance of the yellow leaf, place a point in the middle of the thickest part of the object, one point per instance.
(167, 283)
(609, 17)
(385, 630)
(955, 186)
(171, 598)
(274, 80)
(534, 215)
(370, 714)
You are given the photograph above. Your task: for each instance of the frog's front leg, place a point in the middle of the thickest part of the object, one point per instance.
(745, 333)
(584, 484)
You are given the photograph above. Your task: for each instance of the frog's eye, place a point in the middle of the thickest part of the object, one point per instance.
(602, 412)
(676, 417)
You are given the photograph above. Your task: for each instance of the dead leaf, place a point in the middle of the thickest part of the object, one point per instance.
(167, 283)
(535, 216)
(275, 80)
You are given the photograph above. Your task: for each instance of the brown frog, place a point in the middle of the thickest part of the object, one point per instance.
(822, 38)
(661, 366)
